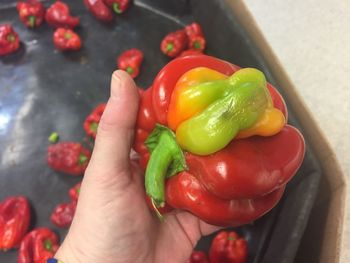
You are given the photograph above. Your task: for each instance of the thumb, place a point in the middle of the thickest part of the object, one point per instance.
(110, 159)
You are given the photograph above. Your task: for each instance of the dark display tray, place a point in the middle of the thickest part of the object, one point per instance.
(43, 90)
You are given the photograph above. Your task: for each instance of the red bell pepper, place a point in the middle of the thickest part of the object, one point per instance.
(14, 221)
(198, 257)
(63, 214)
(9, 40)
(66, 40)
(174, 43)
(58, 15)
(38, 246)
(222, 180)
(130, 61)
(99, 9)
(93, 119)
(228, 247)
(118, 6)
(31, 12)
(74, 192)
(68, 157)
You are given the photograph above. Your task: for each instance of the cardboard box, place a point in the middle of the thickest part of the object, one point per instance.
(323, 235)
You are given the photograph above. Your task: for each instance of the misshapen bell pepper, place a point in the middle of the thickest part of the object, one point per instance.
(130, 61)
(93, 119)
(9, 40)
(238, 181)
(14, 221)
(31, 12)
(68, 157)
(174, 43)
(38, 246)
(62, 215)
(58, 15)
(99, 9)
(228, 247)
(74, 192)
(66, 39)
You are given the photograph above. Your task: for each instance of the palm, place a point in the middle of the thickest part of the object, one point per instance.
(138, 236)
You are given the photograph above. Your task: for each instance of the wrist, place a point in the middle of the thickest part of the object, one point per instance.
(66, 254)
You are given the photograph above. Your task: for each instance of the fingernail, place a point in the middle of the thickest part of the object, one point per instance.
(117, 83)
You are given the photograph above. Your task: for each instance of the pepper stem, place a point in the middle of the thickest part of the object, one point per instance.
(11, 38)
(67, 35)
(93, 126)
(166, 160)
(31, 21)
(169, 47)
(116, 8)
(54, 137)
(197, 45)
(48, 244)
(82, 159)
(130, 70)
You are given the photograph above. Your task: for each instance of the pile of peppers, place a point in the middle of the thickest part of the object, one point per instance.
(213, 139)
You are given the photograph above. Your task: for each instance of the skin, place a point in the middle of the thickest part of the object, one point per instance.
(113, 222)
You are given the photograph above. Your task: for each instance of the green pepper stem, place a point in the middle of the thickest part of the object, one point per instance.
(130, 70)
(48, 244)
(31, 21)
(11, 37)
(166, 160)
(169, 47)
(116, 8)
(93, 126)
(197, 45)
(82, 159)
(67, 35)
(54, 137)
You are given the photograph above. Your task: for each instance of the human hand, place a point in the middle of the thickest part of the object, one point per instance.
(112, 222)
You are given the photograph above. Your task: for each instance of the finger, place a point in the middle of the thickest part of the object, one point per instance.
(116, 130)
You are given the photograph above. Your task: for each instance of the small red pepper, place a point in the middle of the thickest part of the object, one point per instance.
(9, 40)
(228, 247)
(38, 246)
(130, 61)
(194, 29)
(74, 192)
(63, 214)
(118, 6)
(68, 157)
(31, 12)
(99, 9)
(198, 257)
(58, 15)
(66, 39)
(197, 43)
(14, 221)
(93, 119)
(174, 43)
(195, 36)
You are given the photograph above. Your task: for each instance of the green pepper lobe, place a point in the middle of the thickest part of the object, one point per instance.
(240, 102)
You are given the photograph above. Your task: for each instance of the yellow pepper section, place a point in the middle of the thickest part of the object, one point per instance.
(184, 103)
(269, 124)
